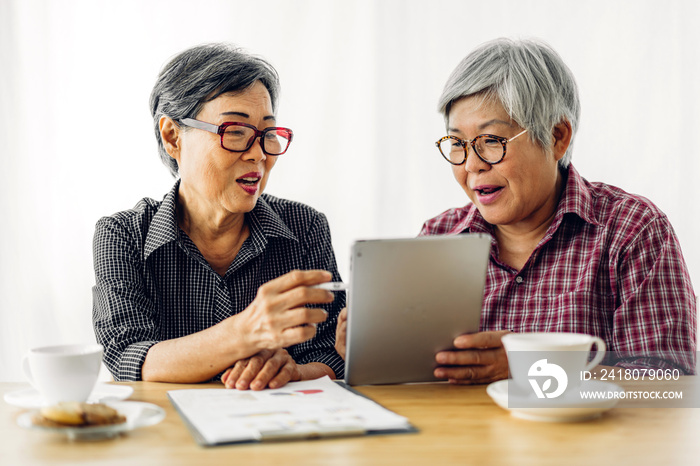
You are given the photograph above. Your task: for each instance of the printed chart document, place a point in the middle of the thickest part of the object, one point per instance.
(313, 408)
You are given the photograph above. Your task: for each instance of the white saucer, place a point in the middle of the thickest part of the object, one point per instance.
(565, 409)
(138, 414)
(30, 397)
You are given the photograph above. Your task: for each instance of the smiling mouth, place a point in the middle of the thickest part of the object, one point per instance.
(248, 181)
(487, 191)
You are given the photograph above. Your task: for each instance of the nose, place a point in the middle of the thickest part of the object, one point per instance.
(474, 164)
(255, 153)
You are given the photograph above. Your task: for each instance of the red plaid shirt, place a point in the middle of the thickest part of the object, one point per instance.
(609, 265)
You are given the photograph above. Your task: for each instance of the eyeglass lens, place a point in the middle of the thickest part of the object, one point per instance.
(240, 138)
(488, 147)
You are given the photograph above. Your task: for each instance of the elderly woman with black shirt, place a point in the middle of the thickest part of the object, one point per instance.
(217, 277)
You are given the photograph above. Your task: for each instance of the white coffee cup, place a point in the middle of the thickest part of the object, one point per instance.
(560, 356)
(63, 372)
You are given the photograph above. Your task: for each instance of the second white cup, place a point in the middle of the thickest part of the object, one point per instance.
(63, 372)
(534, 357)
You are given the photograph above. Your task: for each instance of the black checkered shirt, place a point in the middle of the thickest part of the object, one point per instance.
(153, 284)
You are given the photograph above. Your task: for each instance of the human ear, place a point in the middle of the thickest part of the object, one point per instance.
(562, 134)
(170, 136)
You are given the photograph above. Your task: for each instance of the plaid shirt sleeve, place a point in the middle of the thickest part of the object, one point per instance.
(123, 314)
(656, 313)
(322, 347)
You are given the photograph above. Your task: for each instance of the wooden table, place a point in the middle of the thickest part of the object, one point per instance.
(458, 425)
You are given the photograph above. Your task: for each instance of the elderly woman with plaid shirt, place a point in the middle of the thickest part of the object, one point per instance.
(567, 255)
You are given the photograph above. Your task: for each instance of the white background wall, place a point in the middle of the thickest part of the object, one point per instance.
(360, 82)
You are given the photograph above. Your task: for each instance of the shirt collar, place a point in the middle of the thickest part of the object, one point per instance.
(263, 221)
(576, 199)
(163, 227)
(472, 222)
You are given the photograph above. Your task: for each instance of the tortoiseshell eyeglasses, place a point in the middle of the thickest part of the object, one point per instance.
(489, 148)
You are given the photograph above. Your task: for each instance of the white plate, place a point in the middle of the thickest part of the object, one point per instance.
(138, 414)
(564, 409)
(30, 398)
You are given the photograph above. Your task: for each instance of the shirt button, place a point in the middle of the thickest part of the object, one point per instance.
(519, 279)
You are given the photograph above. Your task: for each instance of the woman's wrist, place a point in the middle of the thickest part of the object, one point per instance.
(234, 336)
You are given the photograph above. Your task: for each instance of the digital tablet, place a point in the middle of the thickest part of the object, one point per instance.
(409, 299)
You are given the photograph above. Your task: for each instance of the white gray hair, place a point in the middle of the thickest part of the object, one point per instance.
(200, 74)
(528, 78)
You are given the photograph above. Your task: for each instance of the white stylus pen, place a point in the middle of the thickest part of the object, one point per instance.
(332, 286)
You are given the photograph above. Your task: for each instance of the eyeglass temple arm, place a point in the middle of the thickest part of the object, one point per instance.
(201, 125)
(519, 134)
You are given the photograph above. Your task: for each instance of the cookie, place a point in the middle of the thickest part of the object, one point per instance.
(98, 415)
(67, 412)
(74, 414)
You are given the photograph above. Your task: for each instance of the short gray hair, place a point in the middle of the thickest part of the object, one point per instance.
(528, 78)
(200, 74)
